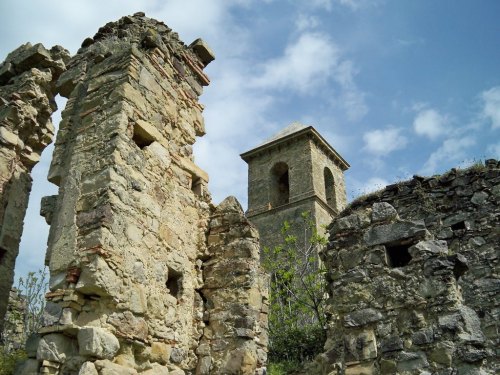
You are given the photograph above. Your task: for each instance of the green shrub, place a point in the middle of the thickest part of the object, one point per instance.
(282, 368)
(8, 361)
(296, 344)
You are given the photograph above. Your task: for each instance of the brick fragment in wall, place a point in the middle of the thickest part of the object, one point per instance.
(127, 250)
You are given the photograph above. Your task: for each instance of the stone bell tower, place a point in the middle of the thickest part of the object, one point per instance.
(293, 172)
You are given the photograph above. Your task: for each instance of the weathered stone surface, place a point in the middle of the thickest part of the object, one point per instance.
(97, 342)
(383, 211)
(422, 278)
(88, 368)
(27, 92)
(13, 336)
(106, 367)
(395, 232)
(56, 347)
(362, 317)
(136, 249)
(238, 320)
(294, 172)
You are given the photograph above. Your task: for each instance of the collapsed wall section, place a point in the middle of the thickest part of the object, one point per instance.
(235, 294)
(413, 278)
(27, 91)
(128, 236)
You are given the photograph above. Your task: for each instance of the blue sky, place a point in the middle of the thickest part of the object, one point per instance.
(397, 87)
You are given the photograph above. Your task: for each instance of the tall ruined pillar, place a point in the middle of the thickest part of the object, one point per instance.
(128, 237)
(27, 91)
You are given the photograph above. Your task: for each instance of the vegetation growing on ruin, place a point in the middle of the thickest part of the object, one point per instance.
(8, 360)
(33, 288)
(297, 296)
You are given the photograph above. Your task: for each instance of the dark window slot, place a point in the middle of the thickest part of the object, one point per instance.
(398, 255)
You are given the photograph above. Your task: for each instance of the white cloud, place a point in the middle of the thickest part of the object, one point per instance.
(452, 150)
(491, 106)
(381, 142)
(304, 22)
(310, 63)
(307, 63)
(430, 123)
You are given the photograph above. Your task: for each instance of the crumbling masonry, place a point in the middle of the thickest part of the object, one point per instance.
(27, 93)
(413, 274)
(146, 275)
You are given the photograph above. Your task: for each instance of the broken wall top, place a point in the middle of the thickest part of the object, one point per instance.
(412, 275)
(27, 91)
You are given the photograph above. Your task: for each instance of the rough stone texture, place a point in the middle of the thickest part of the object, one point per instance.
(235, 294)
(14, 334)
(413, 278)
(27, 91)
(97, 342)
(131, 274)
(287, 176)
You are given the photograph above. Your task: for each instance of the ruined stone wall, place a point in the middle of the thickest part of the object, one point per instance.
(235, 295)
(413, 278)
(27, 91)
(130, 286)
(13, 334)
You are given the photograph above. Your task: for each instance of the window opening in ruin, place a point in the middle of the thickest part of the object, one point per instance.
(174, 282)
(398, 255)
(459, 269)
(458, 226)
(2, 254)
(141, 138)
(329, 187)
(280, 184)
(196, 186)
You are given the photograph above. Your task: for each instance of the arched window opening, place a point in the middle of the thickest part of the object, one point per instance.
(280, 185)
(329, 187)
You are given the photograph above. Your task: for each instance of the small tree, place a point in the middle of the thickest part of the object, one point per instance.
(33, 289)
(297, 293)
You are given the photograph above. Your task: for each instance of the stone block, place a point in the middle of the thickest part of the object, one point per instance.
(361, 369)
(422, 337)
(383, 211)
(106, 367)
(160, 352)
(177, 355)
(391, 344)
(203, 51)
(156, 369)
(88, 368)
(443, 353)
(97, 342)
(360, 346)
(362, 317)
(408, 361)
(56, 347)
(395, 232)
(240, 361)
(427, 248)
(349, 223)
(129, 325)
